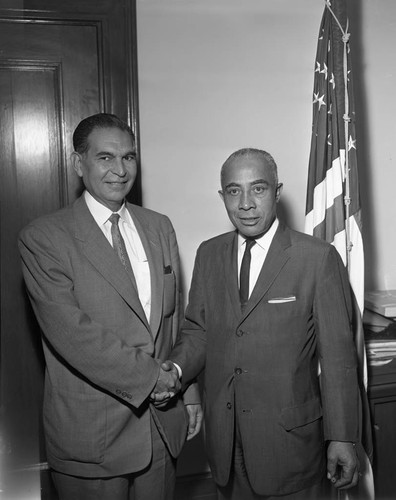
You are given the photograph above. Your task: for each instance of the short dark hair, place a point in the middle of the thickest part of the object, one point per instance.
(258, 153)
(100, 120)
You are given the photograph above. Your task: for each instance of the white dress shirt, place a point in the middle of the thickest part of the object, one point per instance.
(133, 245)
(258, 253)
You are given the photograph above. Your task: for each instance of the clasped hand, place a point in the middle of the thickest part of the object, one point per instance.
(167, 386)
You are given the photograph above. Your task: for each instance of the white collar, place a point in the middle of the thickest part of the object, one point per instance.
(101, 213)
(265, 240)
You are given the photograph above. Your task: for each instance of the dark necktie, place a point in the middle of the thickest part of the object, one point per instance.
(119, 243)
(244, 273)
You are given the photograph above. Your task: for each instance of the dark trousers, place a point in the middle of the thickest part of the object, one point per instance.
(239, 488)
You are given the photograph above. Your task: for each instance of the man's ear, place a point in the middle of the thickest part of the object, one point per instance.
(221, 194)
(76, 162)
(278, 192)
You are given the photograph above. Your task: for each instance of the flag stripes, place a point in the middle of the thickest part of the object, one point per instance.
(328, 199)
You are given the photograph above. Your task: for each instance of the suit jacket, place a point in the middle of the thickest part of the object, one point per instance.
(261, 366)
(102, 356)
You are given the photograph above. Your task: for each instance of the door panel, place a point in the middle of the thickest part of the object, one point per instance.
(59, 62)
(70, 53)
(32, 184)
(30, 138)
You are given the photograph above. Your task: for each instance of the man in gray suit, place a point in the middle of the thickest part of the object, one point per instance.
(104, 281)
(267, 306)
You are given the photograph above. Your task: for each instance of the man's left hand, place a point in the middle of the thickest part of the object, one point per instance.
(195, 417)
(342, 464)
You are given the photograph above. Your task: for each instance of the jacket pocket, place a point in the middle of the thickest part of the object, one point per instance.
(169, 294)
(297, 416)
(75, 425)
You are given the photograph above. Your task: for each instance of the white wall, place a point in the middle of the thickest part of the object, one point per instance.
(218, 75)
(215, 76)
(378, 80)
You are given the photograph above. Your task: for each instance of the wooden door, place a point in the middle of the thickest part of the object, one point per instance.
(59, 62)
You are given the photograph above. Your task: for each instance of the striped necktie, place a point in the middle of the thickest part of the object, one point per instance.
(119, 243)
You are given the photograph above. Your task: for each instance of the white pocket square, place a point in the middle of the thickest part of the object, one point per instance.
(282, 300)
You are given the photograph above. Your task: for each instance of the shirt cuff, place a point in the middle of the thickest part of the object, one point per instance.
(179, 370)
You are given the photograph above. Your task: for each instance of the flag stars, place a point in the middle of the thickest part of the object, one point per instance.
(351, 143)
(324, 70)
(317, 70)
(319, 100)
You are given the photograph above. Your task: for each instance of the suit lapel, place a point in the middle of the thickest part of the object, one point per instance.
(230, 261)
(102, 256)
(276, 258)
(153, 250)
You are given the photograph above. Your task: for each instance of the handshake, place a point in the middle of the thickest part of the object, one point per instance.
(167, 386)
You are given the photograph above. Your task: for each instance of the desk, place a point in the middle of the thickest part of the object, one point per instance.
(382, 397)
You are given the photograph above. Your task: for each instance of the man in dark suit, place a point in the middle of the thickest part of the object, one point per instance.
(104, 281)
(262, 330)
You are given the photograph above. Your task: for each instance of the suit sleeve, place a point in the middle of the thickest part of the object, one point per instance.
(97, 353)
(175, 259)
(191, 394)
(190, 349)
(337, 354)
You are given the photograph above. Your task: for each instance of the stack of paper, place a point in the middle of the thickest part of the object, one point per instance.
(380, 338)
(381, 301)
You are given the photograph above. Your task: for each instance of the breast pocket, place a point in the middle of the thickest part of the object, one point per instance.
(169, 302)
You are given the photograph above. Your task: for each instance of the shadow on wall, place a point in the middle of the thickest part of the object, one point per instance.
(363, 140)
(285, 213)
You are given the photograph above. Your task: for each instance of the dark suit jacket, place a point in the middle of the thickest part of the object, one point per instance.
(102, 356)
(262, 366)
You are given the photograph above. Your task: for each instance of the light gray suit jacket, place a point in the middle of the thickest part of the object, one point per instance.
(102, 356)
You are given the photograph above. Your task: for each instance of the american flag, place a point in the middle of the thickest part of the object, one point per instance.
(333, 204)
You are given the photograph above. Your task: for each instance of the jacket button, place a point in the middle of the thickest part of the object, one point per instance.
(238, 371)
(240, 333)
(229, 405)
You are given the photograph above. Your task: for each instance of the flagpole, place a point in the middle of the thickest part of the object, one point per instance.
(347, 119)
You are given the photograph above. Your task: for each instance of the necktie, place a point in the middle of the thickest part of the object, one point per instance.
(244, 273)
(119, 243)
